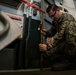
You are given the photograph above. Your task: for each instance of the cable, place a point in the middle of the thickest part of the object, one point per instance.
(6, 24)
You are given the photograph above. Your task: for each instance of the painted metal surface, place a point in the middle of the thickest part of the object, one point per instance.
(68, 4)
(14, 33)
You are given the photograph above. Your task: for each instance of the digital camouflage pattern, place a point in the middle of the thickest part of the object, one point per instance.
(65, 30)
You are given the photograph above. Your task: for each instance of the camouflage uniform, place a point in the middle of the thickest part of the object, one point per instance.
(64, 31)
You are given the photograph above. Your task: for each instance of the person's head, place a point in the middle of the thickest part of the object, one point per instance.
(53, 11)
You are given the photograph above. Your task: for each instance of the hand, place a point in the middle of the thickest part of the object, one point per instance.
(50, 45)
(43, 47)
(43, 32)
(50, 40)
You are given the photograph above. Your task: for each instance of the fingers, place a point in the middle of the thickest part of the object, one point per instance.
(43, 32)
(50, 45)
(42, 47)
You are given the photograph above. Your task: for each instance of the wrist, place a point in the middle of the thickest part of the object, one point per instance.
(48, 47)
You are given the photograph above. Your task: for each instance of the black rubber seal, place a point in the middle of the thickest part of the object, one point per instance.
(6, 23)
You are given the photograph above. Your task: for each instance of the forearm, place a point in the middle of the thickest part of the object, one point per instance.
(51, 32)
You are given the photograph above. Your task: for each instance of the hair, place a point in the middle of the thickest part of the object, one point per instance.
(52, 7)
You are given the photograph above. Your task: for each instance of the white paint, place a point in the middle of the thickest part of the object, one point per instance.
(67, 4)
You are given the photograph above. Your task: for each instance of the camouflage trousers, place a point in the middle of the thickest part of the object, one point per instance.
(61, 53)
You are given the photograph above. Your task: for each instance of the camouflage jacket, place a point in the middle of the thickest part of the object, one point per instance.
(64, 30)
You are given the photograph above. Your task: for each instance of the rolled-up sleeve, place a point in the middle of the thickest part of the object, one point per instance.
(60, 36)
(51, 32)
